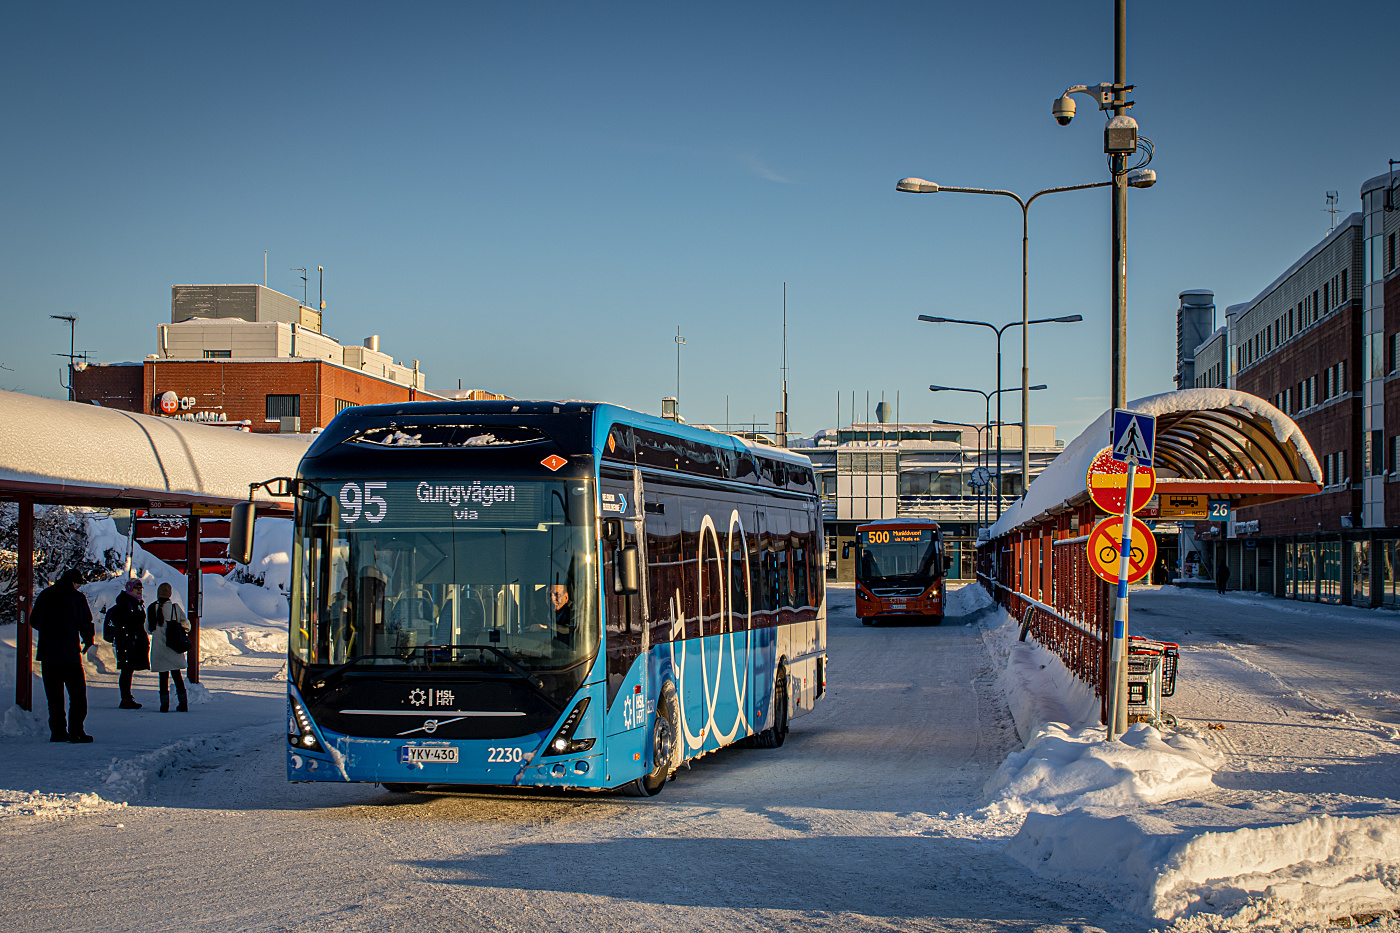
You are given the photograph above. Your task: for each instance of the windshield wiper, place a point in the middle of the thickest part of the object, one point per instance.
(535, 685)
(341, 668)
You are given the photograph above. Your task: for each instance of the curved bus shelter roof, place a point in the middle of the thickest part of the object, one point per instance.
(64, 453)
(69, 453)
(1224, 443)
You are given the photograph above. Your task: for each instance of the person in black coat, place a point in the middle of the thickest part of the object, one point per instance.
(125, 628)
(63, 619)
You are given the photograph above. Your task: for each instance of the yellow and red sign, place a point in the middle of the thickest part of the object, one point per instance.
(1105, 543)
(1108, 480)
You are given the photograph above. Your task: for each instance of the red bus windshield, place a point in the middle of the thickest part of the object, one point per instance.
(904, 553)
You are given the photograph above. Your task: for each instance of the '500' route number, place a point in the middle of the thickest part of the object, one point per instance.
(505, 754)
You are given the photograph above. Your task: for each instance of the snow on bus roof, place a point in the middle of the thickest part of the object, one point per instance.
(1227, 408)
(73, 447)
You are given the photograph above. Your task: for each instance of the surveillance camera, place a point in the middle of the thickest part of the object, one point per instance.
(1063, 109)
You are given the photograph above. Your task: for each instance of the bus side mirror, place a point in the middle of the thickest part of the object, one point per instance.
(627, 576)
(240, 532)
(846, 551)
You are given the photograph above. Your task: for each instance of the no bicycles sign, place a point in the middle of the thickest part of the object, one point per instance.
(1105, 541)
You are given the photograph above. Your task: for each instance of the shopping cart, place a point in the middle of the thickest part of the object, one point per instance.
(1152, 669)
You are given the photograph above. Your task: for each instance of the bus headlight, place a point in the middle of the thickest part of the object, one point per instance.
(564, 742)
(862, 594)
(299, 731)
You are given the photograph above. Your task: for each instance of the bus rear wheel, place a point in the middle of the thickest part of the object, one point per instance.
(774, 735)
(665, 734)
(396, 788)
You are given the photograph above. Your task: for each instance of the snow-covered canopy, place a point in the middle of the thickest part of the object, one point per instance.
(66, 451)
(1202, 434)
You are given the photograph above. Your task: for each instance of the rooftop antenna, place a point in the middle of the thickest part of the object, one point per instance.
(303, 284)
(782, 429)
(680, 342)
(73, 355)
(321, 288)
(264, 268)
(1331, 208)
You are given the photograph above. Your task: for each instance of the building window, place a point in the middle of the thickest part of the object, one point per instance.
(218, 354)
(1390, 253)
(283, 406)
(341, 404)
(1346, 292)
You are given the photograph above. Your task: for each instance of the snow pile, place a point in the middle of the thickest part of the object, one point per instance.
(19, 721)
(128, 779)
(967, 599)
(1066, 762)
(36, 803)
(1063, 769)
(1317, 868)
(1101, 815)
(1038, 687)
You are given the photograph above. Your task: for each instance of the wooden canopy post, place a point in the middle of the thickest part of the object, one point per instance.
(24, 645)
(193, 577)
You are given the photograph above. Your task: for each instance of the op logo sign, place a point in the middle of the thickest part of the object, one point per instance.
(169, 403)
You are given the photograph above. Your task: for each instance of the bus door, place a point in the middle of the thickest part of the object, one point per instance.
(624, 614)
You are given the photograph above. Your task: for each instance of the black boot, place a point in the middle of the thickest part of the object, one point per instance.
(184, 706)
(129, 703)
(165, 702)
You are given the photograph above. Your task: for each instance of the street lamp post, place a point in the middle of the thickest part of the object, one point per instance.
(1025, 389)
(987, 421)
(922, 186)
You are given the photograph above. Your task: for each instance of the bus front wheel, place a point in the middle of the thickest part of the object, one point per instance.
(934, 620)
(665, 734)
(395, 788)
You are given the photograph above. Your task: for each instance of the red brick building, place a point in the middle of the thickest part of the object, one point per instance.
(245, 354)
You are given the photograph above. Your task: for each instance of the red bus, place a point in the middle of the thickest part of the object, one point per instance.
(900, 570)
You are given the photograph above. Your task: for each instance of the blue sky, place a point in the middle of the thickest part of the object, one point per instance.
(531, 197)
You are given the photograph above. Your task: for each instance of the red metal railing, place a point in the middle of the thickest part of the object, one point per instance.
(1065, 606)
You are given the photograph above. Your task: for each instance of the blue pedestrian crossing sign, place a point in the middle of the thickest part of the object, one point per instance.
(1133, 436)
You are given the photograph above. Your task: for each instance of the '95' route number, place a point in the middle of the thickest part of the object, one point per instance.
(505, 754)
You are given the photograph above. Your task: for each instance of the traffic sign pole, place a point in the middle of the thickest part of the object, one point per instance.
(1117, 686)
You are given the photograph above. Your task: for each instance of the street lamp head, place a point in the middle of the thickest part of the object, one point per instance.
(1063, 109)
(1142, 178)
(1069, 319)
(916, 186)
(930, 319)
(1039, 387)
(939, 389)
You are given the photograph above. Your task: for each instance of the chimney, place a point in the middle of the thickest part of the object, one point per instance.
(372, 343)
(1195, 322)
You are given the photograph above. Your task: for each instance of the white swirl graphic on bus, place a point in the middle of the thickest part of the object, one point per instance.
(725, 619)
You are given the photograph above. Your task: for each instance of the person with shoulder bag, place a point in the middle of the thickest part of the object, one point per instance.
(124, 629)
(169, 629)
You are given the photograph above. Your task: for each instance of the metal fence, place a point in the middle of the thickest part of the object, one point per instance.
(1042, 578)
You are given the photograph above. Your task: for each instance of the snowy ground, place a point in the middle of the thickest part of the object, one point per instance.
(906, 801)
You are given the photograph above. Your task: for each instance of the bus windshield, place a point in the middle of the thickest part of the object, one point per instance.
(444, 574)
(887, 553)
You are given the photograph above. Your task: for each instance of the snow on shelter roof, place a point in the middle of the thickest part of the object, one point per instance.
(66, 451)
(1204, 434)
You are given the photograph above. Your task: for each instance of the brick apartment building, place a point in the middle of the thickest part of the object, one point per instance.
(249, 356)
(1322, 343)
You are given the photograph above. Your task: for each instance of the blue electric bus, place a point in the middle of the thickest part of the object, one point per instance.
(563, 594)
